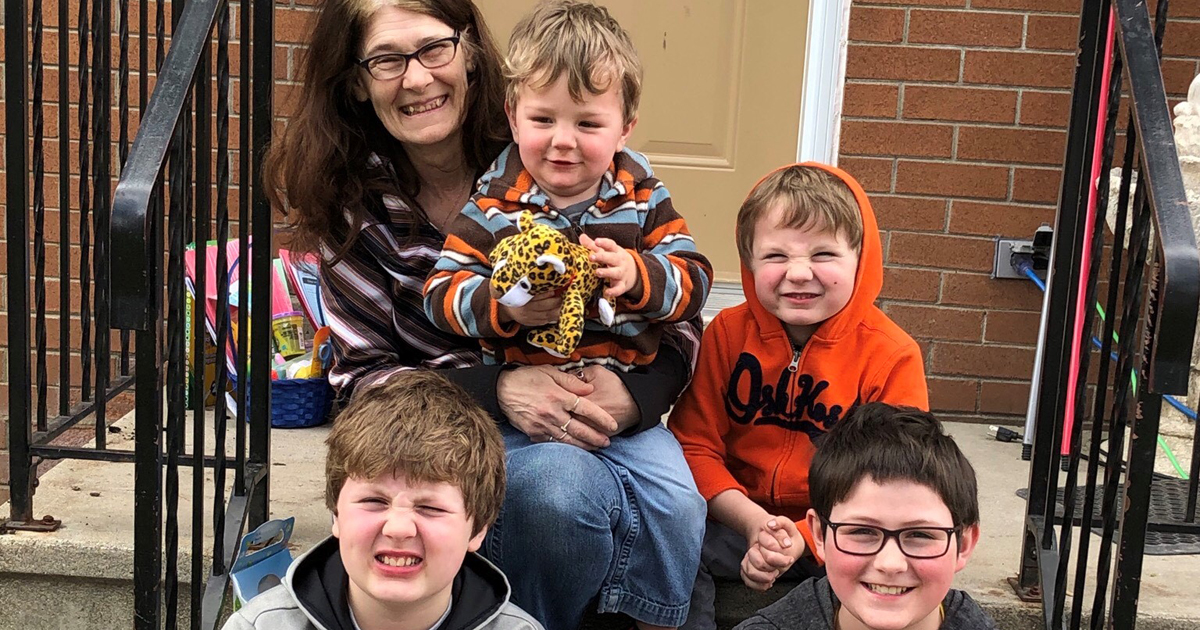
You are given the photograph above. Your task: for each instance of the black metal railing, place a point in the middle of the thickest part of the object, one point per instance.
(174, 188)
(1142, 339)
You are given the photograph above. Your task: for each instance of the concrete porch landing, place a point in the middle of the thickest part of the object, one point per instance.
(79, 576)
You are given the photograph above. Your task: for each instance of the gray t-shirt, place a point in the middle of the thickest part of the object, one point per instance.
(812, 606)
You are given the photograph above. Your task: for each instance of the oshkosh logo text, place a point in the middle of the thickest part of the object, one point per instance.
(775, 404)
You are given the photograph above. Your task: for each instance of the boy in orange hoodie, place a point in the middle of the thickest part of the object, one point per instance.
(778, 371)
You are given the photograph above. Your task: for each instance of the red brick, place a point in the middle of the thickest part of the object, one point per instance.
(874, 174)
(1178, 74)
(1017, 327)
(910, 213)
(1181, 37)
(965, 28)
(1004, 398)
(913, 285)
(993, 67)
(868, 24)
(995, 219)
(1022, 146)
(931, 102)
(965, 289)
(901, 63)
(941, 251)
(1047, 6)
(936, 322)
(1045, 109)
(870, 100)
(991, 361)
(293, 26)
(1036, 185)
(947, 394)
(952, 180)
(1052, 32)
(927, 3)
(896, 139)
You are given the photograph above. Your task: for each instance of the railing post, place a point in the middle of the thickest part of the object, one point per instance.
(260, 340)
(21, 478)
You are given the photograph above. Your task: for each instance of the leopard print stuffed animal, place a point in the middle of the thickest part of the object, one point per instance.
(537, 259)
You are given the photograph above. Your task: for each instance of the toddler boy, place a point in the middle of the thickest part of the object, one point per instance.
(895, 515)
(414, 477)
(778, 371)
(574, 82)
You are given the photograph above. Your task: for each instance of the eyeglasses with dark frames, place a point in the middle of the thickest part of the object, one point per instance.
(392, 65)
(920, 543)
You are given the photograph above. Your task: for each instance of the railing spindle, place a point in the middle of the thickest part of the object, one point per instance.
(64, 211)
(39, 216)
(222, 205)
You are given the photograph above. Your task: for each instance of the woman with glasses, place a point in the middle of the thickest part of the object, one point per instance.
(402, 109)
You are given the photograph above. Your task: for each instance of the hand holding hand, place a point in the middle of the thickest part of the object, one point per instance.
(611, 395)
(617, 266)
(545, 403)
(773, 548)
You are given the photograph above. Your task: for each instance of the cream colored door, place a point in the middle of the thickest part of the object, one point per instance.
(720, 104)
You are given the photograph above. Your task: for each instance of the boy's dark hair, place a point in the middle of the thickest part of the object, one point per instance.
(887, 443)
(420, 425)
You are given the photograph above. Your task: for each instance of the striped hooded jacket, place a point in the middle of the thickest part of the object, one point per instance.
(633, 208)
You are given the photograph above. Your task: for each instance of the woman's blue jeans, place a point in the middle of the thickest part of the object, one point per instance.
(621, 526)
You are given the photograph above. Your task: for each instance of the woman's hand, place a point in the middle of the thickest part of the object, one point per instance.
(549, 405)
(612, 396)
(540, 310)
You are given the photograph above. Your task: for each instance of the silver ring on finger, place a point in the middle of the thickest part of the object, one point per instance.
(563, 428)
(564, 436)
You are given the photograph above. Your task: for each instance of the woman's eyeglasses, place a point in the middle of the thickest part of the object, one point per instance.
(922, 543)
(392, 65)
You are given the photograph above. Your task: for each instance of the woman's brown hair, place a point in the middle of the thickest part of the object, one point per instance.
(316, 171)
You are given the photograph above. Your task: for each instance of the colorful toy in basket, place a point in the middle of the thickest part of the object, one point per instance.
(538, 259)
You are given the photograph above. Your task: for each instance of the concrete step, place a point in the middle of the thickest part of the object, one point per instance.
(80, 577)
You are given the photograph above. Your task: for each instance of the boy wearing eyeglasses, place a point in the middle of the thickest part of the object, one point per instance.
(779, 371)
(895, 515)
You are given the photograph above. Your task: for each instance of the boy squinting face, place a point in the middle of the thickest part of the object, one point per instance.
(803, 276)
(566, 145)
(402, 543)
(888, 590)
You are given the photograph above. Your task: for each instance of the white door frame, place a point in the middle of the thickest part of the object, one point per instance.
(824, 81)
(820, 109)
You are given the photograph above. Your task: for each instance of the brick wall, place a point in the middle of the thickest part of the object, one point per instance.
(955, 117)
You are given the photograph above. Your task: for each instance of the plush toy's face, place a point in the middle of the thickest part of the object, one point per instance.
(528, 264)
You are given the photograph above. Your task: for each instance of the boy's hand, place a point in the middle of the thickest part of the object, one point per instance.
(617, 266)
(773, 548)
(541, 310)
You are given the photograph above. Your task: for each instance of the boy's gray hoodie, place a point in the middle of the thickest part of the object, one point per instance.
(812, 605)
(313, 597)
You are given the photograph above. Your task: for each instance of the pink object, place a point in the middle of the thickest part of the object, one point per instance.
(1082, 309)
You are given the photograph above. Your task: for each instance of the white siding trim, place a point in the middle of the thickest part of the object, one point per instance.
(824, 81)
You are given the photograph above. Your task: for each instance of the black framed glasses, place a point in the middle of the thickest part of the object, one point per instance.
(921, 543)
(392, 65)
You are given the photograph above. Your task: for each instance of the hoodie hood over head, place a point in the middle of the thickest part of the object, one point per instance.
(868, 280)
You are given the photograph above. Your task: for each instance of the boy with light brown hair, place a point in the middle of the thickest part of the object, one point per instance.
(414, 477)
(777, 372)
(575, 81)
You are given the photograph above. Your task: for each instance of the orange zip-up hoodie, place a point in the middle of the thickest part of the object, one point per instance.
(756, 404)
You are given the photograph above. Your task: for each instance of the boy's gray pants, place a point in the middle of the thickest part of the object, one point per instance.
(721, 559)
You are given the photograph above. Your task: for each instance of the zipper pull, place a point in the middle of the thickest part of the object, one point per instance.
(795, 364)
